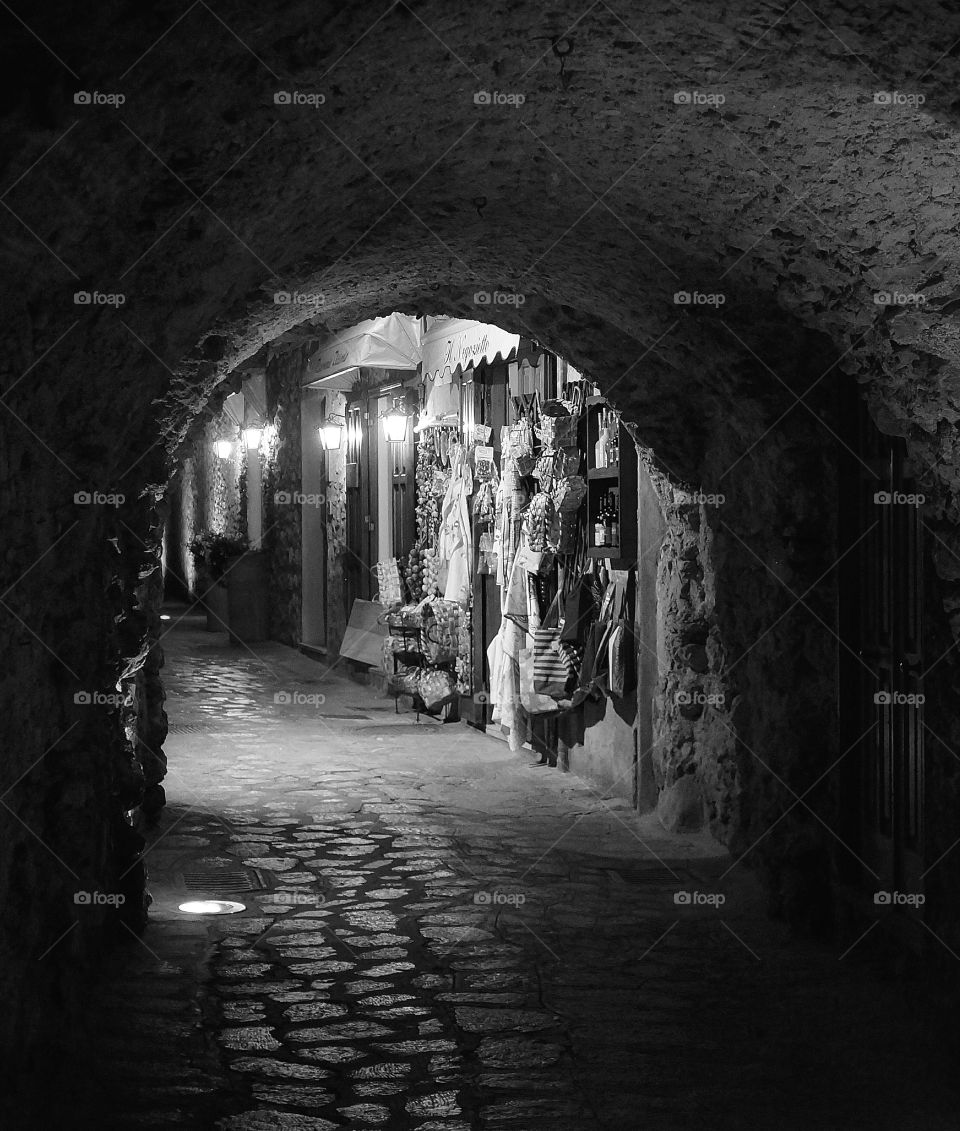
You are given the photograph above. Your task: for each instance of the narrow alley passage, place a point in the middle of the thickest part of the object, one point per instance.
(440, 934)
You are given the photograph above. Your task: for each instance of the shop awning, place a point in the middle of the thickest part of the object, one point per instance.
(391, 342)
(451, 345)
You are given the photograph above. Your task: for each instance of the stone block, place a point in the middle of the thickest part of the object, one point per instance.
(680, 806)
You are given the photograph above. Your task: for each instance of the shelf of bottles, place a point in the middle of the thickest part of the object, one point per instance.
(611, 481)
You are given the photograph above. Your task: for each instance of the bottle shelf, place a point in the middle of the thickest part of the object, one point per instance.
(616, 482)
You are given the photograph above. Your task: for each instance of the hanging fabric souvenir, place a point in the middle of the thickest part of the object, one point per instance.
(455, 541)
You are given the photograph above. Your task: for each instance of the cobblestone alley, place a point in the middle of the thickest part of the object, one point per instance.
(441, 935)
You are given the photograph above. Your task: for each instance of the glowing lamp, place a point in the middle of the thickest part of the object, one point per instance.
(331, 433)
(251, 437)
(224, 448)
(395, 425)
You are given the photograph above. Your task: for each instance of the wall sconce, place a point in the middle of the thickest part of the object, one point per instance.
(395, 422)
(251, 437)
(331, 433)
(223, 448)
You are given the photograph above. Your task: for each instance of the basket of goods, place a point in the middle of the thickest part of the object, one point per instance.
(568, 496)
(436, 688)
(388, 583)
(558, 427)
(406, 679)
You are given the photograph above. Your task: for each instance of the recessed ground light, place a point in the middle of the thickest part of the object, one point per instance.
(164, 616)
(211, 907)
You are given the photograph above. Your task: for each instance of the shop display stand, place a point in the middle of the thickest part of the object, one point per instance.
(415, 654)
(620, 478)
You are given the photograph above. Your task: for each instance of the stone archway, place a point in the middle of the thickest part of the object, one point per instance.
(799, 198)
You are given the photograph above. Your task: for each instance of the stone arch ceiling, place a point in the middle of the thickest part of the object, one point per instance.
(797, 198)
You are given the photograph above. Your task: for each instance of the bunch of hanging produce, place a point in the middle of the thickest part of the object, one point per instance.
(431, 572)
(428, 501)
(413, 573)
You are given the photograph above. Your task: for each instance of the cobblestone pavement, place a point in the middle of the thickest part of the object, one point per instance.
(443, 936)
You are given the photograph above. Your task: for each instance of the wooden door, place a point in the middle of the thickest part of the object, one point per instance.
(314, 481)
(403, 471)
(881, 601)
(361, 492)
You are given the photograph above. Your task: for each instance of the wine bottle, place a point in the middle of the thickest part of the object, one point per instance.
(600, 530)
(606, 512)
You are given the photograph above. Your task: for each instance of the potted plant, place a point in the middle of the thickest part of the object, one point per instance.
(212, 553)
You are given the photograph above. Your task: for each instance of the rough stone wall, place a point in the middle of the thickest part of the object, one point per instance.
(774, 552)
(210, 492)
(280, 452)
(693, 736)
(746, 707)
(81, 741)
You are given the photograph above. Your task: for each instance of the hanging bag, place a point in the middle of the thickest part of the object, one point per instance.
(580, 610)
(556, 665)
(595, 670)
(621, 659)
(532, 701)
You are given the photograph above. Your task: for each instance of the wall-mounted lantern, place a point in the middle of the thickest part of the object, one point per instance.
(223, 448)
(395, 422)
(252, 436)
(331, 433)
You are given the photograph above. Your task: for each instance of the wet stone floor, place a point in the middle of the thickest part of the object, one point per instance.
(441, 936)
